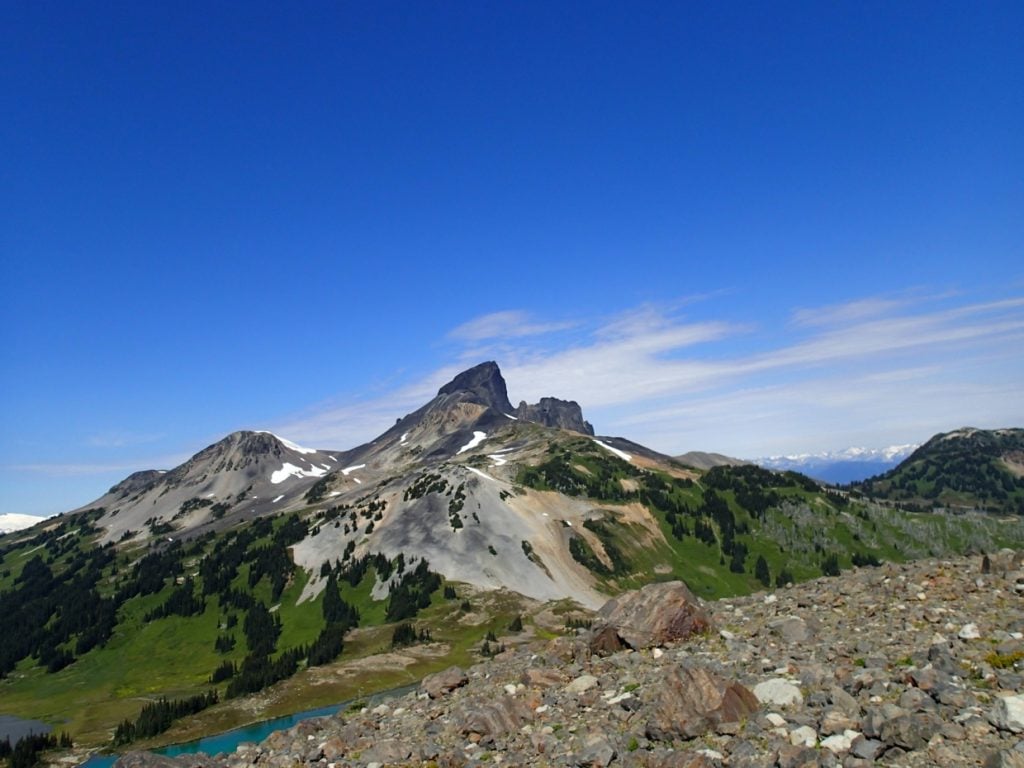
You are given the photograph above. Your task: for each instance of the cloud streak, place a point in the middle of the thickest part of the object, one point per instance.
(873, 371)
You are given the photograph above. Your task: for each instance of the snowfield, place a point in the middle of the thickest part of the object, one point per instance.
(478, 437)
(290, 470)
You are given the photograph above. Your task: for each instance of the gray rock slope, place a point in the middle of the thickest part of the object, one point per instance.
(914, 665)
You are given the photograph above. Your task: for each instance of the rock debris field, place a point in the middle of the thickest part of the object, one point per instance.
(915, 664)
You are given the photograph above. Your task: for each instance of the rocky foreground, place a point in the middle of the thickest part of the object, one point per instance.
(901, 665)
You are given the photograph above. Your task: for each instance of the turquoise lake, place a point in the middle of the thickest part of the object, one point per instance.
(227, 741)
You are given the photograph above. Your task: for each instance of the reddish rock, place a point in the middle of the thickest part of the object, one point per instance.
(654, 615)
(692, 701)
(440, 683)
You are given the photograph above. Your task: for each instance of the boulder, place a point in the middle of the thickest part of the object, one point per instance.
(691, 701)
(495, 719)
(443, 682)
(778, 692)
(1008, 714)
(655, 615)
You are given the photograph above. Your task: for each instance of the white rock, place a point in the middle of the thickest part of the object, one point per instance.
(725, 634)
(541, 709)
(711, 754)
(840, 742)
(775, 719)
(769, 599)
(581, 684)
(779, 692)
(804, 736)
(510, 689)
(1008, 714)
(969, 632)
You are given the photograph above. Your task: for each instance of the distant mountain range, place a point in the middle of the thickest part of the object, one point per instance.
(840, 467)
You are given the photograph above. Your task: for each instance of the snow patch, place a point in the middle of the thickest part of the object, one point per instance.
(347, 470)
(510, 416)
(404, 438)
(476, 471)
(616, 451)
(332, 459)
(478, 437)
(498, 459)
(358, 480)
(290, 470)
(334, 493)
(287, 443)
(277, 499)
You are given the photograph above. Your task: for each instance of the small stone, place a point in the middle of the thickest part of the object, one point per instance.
(803, 736)
(775, 719)
(657, 653)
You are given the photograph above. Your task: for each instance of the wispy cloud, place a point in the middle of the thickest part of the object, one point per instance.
(508, 324)
(122, 439)
(873, 371)
(80, 469)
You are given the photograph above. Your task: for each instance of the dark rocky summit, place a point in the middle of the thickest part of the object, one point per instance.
(482, 384)
(902, 665)
(552, 412)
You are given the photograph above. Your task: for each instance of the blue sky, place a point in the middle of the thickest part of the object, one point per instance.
(754, 228)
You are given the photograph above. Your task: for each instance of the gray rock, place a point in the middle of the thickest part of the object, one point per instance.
(778, 692)
(910, 731)
(581, 684)
(865, 748)
(597, 752)
(1008, 714)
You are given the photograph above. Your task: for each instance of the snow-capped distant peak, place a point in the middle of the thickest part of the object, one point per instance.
(13, 521)
(287, 443)
(841, 466)
(891, 453)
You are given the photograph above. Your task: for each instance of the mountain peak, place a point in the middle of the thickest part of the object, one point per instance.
(483, 383)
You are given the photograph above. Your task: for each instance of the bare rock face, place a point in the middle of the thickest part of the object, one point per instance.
(552, 412)
(482, 384)
(443, 682)
(692, 701)
(654, 615)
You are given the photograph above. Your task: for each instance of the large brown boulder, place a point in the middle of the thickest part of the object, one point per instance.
(691, 701)
(440, 683)
(652, 616)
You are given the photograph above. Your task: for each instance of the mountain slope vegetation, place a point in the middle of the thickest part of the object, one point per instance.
(964, 469)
